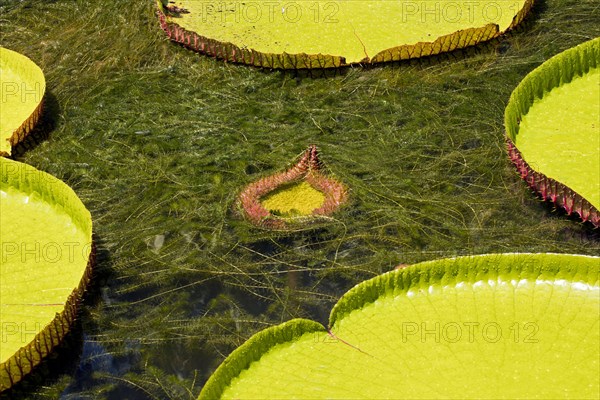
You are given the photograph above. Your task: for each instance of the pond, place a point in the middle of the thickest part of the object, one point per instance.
(158, 141)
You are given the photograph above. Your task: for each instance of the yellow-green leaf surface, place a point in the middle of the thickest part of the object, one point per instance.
(45, 247)
(22, 87)
(357, 30)
(299, 198)
(493, 326)
(560, 135)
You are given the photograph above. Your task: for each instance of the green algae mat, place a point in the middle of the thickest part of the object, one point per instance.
(46, 257)
(553, 128)
(326, 34)
(22, 87)
(491, 326)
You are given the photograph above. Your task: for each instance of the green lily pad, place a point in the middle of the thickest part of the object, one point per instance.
(326, 34)
(46, 254)
(22, 87)
(491, 326)
(553, 128)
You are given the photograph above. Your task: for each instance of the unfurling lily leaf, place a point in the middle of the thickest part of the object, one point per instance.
(553, 130)
(296, 196)
(46, 255)
(491, 326)
(329, 34)
(22, 87)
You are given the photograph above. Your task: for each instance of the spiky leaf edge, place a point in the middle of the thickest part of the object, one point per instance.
(446, 271)
(29, 123)
(551, 190)
(29, 356)
(231, 53)
(454, 41)
(308, 168)
(54, 191)
(558, 70)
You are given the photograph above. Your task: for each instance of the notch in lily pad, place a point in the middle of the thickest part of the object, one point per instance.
(488, 326)
(332, 34)
(295, 197)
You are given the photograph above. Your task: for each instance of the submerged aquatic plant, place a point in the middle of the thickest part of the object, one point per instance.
(307, 169)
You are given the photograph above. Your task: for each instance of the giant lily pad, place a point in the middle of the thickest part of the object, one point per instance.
(22, 87)
(553, 130)
(46, 254)
(327, 34)
(492, 326)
